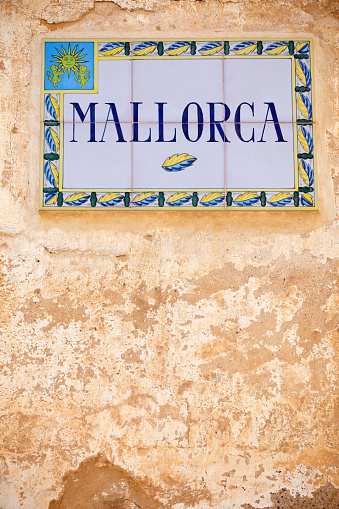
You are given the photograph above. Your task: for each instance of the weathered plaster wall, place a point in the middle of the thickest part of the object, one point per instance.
(156, 359)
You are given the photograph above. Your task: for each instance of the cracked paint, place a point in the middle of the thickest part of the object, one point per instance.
(165, 360)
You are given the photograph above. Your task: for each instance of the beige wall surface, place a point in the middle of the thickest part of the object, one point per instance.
(165, 359)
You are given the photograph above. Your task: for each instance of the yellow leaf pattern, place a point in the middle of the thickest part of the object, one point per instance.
(178, 198)
(306, 199)
(247, 197)
(212, 197)
(76, 198)
(54, 170)
(277, 50)
(246, 50)
(301, 47)
(303, 173)
(145, 51)
(178, 162)
(177, 51)
(145, 198)
(211, 48)
(51, 199)
(302, 107)
(280, 197)
(303, 140)
(110, 199)
(301, 74)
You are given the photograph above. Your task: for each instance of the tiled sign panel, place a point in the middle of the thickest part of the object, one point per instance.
(205, 125)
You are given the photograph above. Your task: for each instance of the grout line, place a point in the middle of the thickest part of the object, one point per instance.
(132, 153)
(223, 96)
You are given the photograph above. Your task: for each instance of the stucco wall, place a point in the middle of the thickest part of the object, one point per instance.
(165, 359)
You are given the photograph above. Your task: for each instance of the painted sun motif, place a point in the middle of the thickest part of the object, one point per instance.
(69, 61)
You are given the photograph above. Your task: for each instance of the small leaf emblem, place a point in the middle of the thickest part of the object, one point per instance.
(52, 139)
(145, 48)
(280, 199)
(178, 199)
(305, 139)
(52, 106)
(212, 199)
(306, 173)
(211, 48)
(51, 173)
(306, 200)
(276, 47)
(305, 106)
(303, 73)
(178, 48)
(303, 47)
(244, 48)
(247, 199)
(50, 198)
(144, 199)
(110, 199)
(77, 198)
(178, 162)
(112, 48)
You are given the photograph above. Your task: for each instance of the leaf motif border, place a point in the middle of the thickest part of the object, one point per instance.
(303, 197)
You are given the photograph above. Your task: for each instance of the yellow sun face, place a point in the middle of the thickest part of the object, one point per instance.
(69, 61)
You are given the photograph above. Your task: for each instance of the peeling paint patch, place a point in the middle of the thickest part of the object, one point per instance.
(98, 484)
(326, 497)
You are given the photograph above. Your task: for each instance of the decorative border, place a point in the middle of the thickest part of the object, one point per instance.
(303, 197)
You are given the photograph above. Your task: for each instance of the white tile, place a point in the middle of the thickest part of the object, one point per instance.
(176, 82)
(205, 172)
(260, 165)
(258, 81)
(114, 86)
(96, 165)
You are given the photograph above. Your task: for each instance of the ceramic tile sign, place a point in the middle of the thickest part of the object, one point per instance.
(161, 125)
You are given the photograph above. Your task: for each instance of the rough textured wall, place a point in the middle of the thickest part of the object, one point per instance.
(165, 360)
